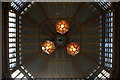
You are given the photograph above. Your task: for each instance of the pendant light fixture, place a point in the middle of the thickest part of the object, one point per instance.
(73, 48)
(62, 26)
(48, 47)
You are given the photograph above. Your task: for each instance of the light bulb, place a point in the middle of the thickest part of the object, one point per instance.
(47, 47)
(62, 25)
(74, 49)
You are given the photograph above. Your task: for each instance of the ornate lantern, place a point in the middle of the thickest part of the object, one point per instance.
(73, 48)
(62, 26)
(48, 47)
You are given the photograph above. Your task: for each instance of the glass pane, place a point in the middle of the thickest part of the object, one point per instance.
(12, 65)
(12, 30)
(12, 60)
(13, 75)
(12, 40)
(12, 14)
(12, 25)
(22, 67)
(29, 5)
(99, 75)
(29, 74)
(12, 34)
(12, 44)
(12, 55)
(12, 50)
(20, 75)
(12, 20)
(25, 9)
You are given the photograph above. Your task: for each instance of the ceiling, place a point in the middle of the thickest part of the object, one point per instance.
(83, 30)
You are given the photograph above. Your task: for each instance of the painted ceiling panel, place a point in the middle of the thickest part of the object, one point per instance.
(35, 64)
(26, 56)
(94, 56)
(60, 67)
(60, 53)
(84, 15)
(89, 40)
(30, 40)
(36, 15)
(46, 7)
(59, 9)
(67, 56)
(97, 7)
(68, 11)
(93, 24)
(75, 40)
(59, 64)
(44, 73)
(52, 71)
(30, 32)
(89, 47)
(30, 47)
(73, 27)
(85, 66)
(49, 27)
(27, 24)
(52, 11)
(75, 7)
(88, 33)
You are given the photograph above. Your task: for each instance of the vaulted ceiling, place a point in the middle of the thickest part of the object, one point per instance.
(83, 20)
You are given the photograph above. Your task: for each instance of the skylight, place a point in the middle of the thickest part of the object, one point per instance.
(18, 75)
(15, 73)
(29, 74)
(27, 8)
(104, 4)
(102, 75)
(17, 4)
(93, 72)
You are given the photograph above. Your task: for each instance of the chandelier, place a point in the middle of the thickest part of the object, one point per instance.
(61, 27)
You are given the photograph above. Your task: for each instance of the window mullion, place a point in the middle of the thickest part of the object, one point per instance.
(103, 39)
(17, 40)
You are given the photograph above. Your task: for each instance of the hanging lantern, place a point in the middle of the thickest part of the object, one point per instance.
(62, 26)
(48, 47)
(73, 48)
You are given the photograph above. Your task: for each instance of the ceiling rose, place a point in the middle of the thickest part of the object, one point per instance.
(73, 48)
(48, 47)
(62, 26)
